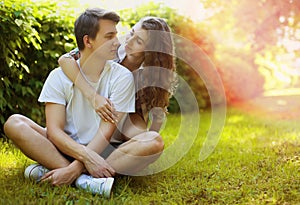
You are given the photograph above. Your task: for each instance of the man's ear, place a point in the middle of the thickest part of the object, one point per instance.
(86, 41)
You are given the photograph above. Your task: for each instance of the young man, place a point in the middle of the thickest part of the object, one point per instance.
(75, 135)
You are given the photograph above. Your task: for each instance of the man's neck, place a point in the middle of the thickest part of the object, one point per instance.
(92, 66)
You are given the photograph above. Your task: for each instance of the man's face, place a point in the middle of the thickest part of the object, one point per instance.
(106, 43)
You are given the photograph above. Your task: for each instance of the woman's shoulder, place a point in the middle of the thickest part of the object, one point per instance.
(118, 69)
(121, 54)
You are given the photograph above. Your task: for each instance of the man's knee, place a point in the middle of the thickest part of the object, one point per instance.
(14, 122)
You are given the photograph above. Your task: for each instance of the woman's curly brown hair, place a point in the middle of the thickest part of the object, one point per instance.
(156, 81)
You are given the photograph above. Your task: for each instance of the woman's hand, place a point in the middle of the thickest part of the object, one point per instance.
(104, 108)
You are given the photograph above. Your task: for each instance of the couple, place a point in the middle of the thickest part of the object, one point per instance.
(89, 147)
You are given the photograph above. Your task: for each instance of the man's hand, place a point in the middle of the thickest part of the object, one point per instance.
(61, 176)
(104, 108)
(97, 166)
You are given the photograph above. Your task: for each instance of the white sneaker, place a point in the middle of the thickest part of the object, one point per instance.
(35, 172)
(100, 186)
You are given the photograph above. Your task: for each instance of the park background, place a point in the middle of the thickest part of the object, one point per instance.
(255, 49)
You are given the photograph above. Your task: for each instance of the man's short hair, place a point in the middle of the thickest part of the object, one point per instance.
(88, 23)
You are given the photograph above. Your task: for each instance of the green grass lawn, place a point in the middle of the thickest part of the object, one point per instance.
(255, 162)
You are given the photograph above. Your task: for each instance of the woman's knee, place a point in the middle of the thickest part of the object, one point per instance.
(157, 142)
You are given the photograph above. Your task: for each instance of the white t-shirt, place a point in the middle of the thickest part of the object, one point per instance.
(82, 122)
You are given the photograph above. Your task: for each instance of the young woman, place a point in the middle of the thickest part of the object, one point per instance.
(148, 53)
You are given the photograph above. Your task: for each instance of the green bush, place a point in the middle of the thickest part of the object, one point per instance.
(33, 36)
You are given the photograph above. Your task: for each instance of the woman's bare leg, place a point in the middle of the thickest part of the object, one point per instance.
(140, 149)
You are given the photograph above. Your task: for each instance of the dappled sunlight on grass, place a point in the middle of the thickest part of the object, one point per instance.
(11, 157)
(235, 119)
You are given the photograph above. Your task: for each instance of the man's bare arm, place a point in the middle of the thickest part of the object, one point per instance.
(87, 155)
(100, 168)
(55, 122)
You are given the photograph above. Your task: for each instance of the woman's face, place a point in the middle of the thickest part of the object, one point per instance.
(136, 41)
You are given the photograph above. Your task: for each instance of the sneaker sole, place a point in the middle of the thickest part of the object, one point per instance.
(108, 187)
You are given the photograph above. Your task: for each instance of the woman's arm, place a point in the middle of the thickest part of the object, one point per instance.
(157, 118)
(155, 126)
(102, 105)
(71, 69)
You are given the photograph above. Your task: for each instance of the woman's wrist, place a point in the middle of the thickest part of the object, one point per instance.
(91, 96)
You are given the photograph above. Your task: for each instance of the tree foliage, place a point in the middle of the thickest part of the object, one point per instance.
(253, 44)
(32, 37)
